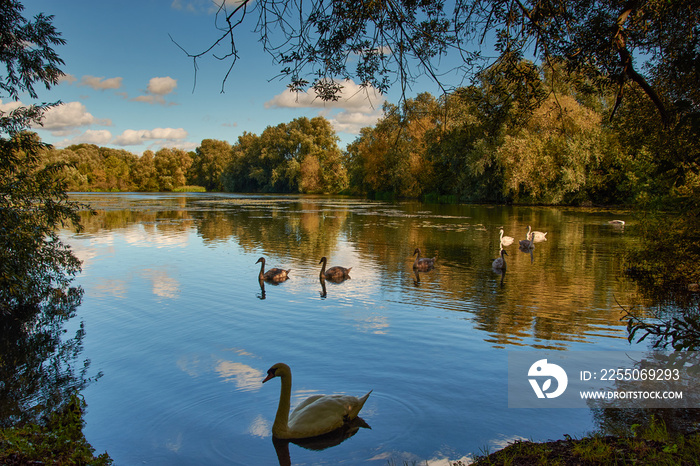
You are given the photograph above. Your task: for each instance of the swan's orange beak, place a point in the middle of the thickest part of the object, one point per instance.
(269, 376)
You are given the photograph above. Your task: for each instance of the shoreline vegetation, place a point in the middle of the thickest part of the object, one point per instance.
(653, 445)
(474, 145)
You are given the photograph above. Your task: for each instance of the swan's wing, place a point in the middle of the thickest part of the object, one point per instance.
(277, 274)
(305, 403)
(321, 414)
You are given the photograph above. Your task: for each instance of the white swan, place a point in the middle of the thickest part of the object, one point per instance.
(538, 236)
(272, 275)
(506, 240)
(317, 415)
(334, 274)
(422, 263)
(500, 262)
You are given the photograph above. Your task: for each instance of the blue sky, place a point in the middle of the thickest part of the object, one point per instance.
(128, 86)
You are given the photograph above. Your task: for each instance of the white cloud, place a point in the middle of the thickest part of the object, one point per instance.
(132, 137)
(157, 88)
(357, 107)
(93, 136)
(97, 137)
(204, 6)
(67, 78)
(352, 96)
(100, 84)
(64, 118)
(149, 99)
(161, 86)
(245, 377)
(353, 122)
(9, 106)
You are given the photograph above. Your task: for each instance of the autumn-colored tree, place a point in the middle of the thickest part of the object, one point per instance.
(391, 157)
(548, 159)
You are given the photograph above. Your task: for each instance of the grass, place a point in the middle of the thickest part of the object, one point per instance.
(190, 189)
(652, 445)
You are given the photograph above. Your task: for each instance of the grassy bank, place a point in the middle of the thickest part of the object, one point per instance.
(647, 446)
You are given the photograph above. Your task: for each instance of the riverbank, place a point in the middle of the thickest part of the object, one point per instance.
(651, 445)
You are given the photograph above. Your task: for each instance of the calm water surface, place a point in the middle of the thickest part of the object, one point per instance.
(184, 333)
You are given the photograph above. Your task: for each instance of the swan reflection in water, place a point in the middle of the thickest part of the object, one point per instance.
(261, 295)
(502, 273)
(262, 289)
(529, 251)
(416, 281)
(320, 442)
(323, 287)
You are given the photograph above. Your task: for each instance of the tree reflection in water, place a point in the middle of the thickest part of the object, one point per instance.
(676, 416)
(40, 368)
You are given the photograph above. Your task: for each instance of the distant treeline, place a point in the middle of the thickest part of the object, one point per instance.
(547, 139)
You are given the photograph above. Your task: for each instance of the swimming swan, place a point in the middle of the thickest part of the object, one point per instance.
(500, 262)
(527, 243)
(317, 415)
(272, 275)
(422, 263)
(506, 240)
(336, 273)
(538, 236)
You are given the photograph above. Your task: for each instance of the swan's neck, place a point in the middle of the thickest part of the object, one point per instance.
(501, 235)
(281, 424)
(262, 269)
(323, 271)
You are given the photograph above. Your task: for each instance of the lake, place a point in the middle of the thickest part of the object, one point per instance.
(177, 321)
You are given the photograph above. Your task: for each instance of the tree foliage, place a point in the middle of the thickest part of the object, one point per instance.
(318, 44)
(297, 157)
(35, 266)
(27, 54)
